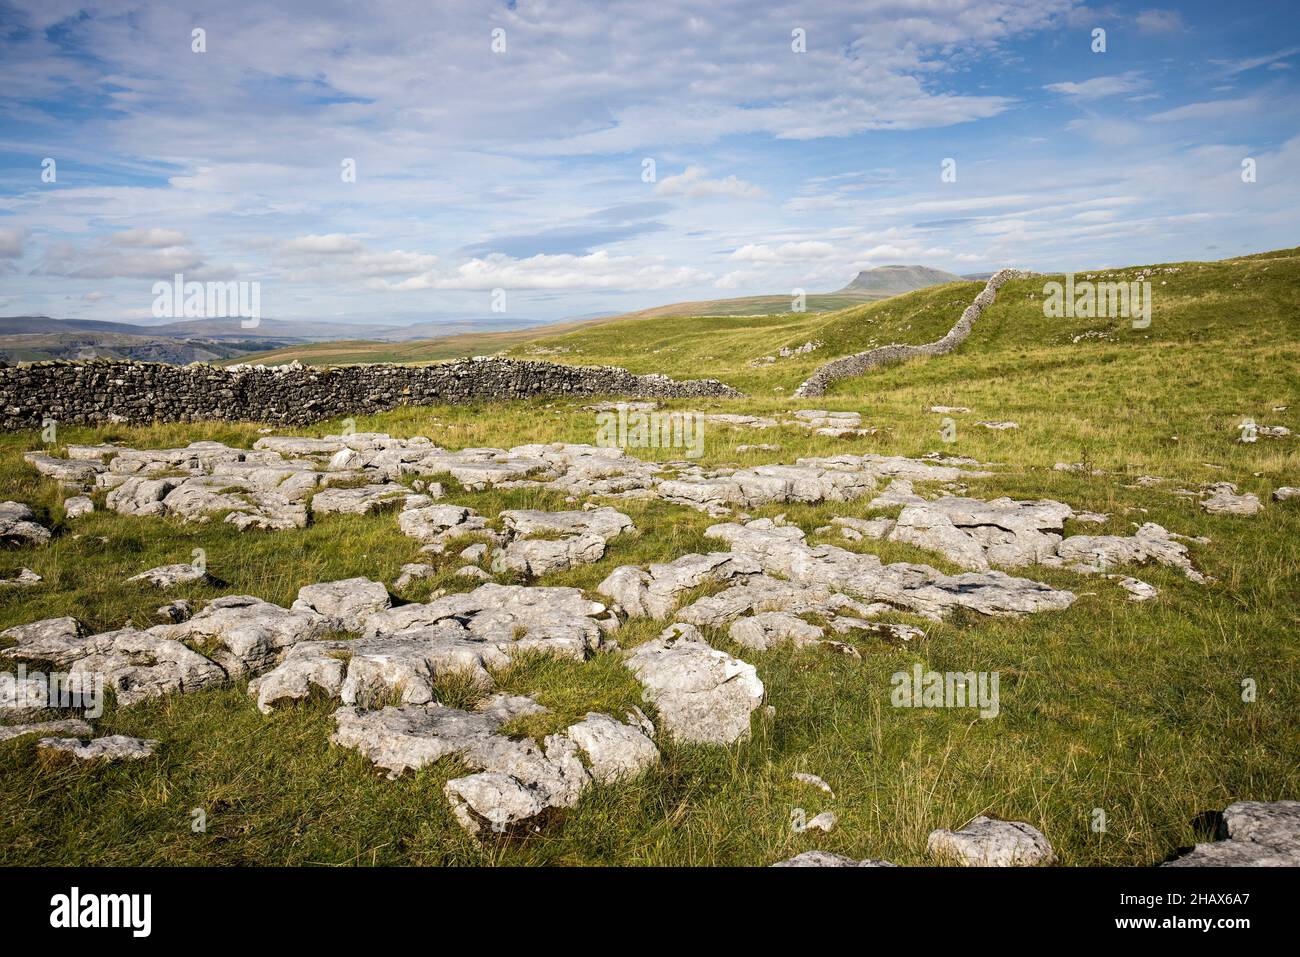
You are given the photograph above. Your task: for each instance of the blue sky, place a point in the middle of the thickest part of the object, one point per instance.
(523, 169)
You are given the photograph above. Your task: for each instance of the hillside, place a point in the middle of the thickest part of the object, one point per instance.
(144, 348)
(1133, 707)
(895, 280)
(1250, 299)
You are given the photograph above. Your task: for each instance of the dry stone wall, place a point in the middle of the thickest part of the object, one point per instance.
(859, 363)
(140, 392)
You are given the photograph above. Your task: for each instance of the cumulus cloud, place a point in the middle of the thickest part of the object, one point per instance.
(105, 259)
(692, 184)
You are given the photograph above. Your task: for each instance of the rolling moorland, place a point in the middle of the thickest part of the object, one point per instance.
(870, 285)
(1132, 708)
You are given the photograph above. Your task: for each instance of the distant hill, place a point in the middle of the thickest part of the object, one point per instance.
(281, 330)
(896, 280)
(113, 345)
(885, 282)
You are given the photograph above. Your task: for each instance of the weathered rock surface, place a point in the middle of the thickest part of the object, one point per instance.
(77, 506)
(306, 665)
(827, 859)
(114, 747)
(18, 525)
(514, 780)
(573, 538)
(73, 726)
(346, 603)
(1151, 543)
(1251, 834)
(435, 525)
(169, 576)
(656, 591)
(46, 640)
(976, 534)
(245, 635)
(615, 751)
(702, 695)
(24, 579)
(1222, 498)
(985, 842)
(781, 551)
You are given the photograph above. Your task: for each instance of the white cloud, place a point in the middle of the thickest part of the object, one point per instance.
(1160, 21)
(598, 270)
(1098, 87)
(150, 238)
(11, 241)
(333, 244)
(1208, 110)
(784, 253)
(692, 184)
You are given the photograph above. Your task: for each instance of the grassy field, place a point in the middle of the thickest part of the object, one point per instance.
(1134, 709)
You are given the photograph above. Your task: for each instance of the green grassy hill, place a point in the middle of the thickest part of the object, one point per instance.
(1136, 709)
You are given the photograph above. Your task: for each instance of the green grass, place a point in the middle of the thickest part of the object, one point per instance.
(1134, 709)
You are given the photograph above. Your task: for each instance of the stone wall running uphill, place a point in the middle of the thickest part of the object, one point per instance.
(859, 363)
(98, 391)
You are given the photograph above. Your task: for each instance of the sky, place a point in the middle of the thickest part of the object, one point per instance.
(562, 159)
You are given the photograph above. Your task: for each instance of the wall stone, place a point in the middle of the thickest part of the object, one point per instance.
(98, 391)
(847, 366)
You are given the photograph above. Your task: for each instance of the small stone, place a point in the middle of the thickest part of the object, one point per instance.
(176, 611)
(77, 506)
(814, 780)
(25, 578)
(986, 842)
(827, 859)
(169, 576)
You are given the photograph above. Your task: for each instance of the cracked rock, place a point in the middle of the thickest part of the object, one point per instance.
(114, 747)
(1151, 542)
(702, 695)
(1221, 498)
(346, 603)
(245, 635)
(615, 751)
(1251, 834)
